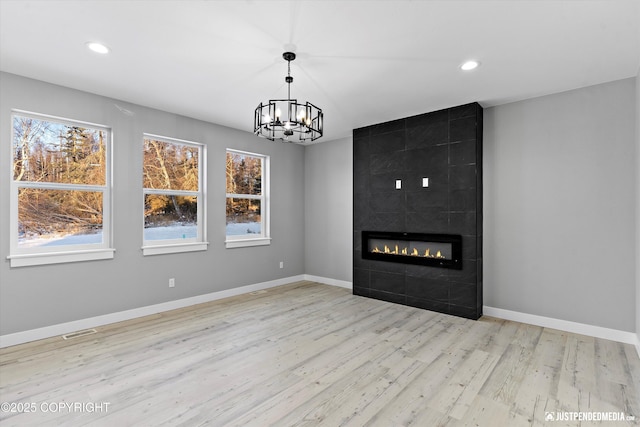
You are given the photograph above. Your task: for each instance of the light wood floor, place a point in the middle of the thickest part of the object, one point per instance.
(311, 354)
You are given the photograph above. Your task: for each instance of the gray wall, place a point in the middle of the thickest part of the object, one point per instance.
(33, 297)
(638, 209)
(559, 199)
(329, 209)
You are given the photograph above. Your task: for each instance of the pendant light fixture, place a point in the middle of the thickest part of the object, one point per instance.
(286, 119)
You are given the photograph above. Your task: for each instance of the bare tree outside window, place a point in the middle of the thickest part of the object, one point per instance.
(59, 172)
(245, 194)
(171, 180)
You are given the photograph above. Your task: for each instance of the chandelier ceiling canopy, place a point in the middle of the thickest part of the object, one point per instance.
(287, 119)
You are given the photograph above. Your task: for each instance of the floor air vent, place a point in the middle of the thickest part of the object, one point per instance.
(79, 334)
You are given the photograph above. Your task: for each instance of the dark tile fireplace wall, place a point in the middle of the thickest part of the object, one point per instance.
(446, 147)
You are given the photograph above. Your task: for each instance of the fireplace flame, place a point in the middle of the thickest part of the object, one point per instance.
(405, 251)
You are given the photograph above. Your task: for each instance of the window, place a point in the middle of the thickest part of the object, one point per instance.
(247, 207)
(173, 196)
(60, 198)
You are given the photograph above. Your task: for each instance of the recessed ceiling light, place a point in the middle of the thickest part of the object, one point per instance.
(469, 65)
(98, 47)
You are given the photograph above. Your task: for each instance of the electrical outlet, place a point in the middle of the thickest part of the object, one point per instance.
(172, 283)
(281, 264)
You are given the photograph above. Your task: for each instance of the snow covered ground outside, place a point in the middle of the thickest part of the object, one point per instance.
(171, 232)
(151, 233)
(241, 228)
(60, 240)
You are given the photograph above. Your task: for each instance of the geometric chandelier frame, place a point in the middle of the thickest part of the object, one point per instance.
(287, 119)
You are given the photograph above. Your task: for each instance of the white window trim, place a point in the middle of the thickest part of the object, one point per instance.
(264, 239)
(171, 246)
(26, 260)
(174, 248)
(25, 257)
(245, 243)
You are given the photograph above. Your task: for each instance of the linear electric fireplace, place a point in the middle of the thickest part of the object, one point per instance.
(436, 250)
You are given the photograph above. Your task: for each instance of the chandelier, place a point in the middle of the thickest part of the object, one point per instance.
(286, 119)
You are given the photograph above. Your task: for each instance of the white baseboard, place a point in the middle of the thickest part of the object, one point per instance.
(328, 281)
(93, 322)
(565, 325)
(532, 319)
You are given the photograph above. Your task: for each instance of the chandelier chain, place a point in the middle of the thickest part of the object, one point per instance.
(289, 79)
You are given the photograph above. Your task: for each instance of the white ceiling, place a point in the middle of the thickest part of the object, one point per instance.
(362, 62)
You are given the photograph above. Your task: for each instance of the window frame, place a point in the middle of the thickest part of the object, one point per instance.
(31, 256)
(169, 246)
(264, 239)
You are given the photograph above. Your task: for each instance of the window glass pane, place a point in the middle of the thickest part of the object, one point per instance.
(244, 174)
(170, 166)
(170, 217)
(46, 151)
(243, 217)
(59, 217)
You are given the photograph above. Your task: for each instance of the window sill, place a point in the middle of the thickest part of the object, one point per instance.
(26, 260)
(174, 248)
(244, 243)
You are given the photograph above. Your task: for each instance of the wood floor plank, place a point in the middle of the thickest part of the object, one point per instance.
(511, 368)
(486, 412)
(541, 375)
(416, 394)
(455, 397)
(312, 354)
(360, 408)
